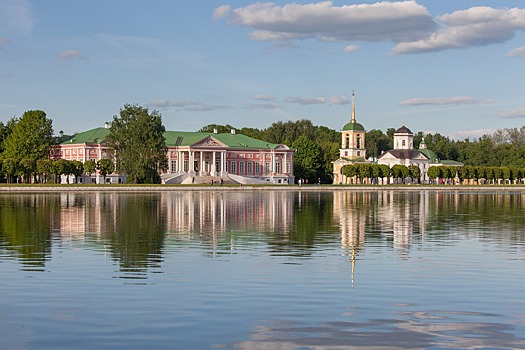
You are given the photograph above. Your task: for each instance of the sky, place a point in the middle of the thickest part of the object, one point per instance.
(451, 67)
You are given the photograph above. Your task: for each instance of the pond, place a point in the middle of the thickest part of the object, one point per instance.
(342, 269)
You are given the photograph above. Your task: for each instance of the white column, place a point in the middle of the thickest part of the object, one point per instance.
(213, 170)
(202, 163)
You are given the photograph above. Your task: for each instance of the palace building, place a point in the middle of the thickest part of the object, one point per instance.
(195, 157)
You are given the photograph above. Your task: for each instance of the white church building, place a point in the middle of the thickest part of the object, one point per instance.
(353, 151)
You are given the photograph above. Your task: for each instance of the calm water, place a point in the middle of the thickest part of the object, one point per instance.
(268, 270)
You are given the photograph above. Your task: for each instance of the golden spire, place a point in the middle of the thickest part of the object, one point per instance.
(353, 107)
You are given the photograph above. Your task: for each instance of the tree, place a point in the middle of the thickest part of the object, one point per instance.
(384, 171)
(90, 166)
(105, 166)
(434, 172)
(414, 172)
(307, 160)
(77, 169)
(44, 167)
(10, 168)
(137, 137)
(216, 127)
(400, 172)
(31, 137)
(5, 131)
(376, 143)
(28, 168)
(61, 167)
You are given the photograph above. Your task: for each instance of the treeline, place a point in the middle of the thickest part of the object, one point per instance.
(476, 174)
(26, 140)
(382, 173)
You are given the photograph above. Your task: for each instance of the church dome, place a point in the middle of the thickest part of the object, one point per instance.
(353, 126)
(403, 130)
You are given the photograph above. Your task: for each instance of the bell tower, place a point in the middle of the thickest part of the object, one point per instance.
(353, 138)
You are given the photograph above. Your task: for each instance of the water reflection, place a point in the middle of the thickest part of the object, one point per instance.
(134, 227)
(411, 330)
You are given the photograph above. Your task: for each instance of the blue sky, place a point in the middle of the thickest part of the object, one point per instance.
(453, 67)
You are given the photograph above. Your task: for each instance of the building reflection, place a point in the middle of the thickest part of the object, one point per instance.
(383, 215)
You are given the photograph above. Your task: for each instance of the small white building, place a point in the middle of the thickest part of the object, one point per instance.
(405, 154)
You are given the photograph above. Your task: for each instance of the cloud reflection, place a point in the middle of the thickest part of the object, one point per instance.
(409, 330)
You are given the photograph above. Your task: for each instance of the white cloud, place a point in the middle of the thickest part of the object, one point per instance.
(513, 114)
(305, 101)
(70, 55)
(339, 100)
(263, 98)
(456, 100)
(476, 26)
(3, 42)
(470, 134)
(395, 21)
(351, 48)
(222, 11)
(16, 14)
(262, 106)
(520, 51)
(187, 105)
(159, 103)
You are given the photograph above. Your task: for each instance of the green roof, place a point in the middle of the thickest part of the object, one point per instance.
(178, 138)
(186, 138)
(96, 135)
(353, 126)
(428, 153)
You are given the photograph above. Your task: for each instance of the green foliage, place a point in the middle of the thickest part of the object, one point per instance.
(27, 168)
(216, 127)
(90, 166)
(61, 167)
(307, 159)
(137, 137)
(30, 138)
(105, 166)
(400, 172)
(10, 168)
(44, 167)
(376, 143)
(434, 172)
(414, 172)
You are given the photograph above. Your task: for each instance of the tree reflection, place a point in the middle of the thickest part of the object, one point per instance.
(25, 226)
(137, 236)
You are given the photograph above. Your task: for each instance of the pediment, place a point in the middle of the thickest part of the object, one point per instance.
(281, 147)
(209, 142)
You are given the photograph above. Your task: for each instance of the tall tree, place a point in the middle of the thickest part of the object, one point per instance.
(307, 160)
(137, 136)
(31, 137)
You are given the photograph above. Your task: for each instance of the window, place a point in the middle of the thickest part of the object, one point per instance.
(173, 166)
(234, 167)
(217, 165)
(241, 167)
(403, 143)
(267, 167)
(257, 168)
(358, 153)
(250, 167)
(278, 167)
(186, 165)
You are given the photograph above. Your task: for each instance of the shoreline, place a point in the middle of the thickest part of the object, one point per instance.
(248, 188)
